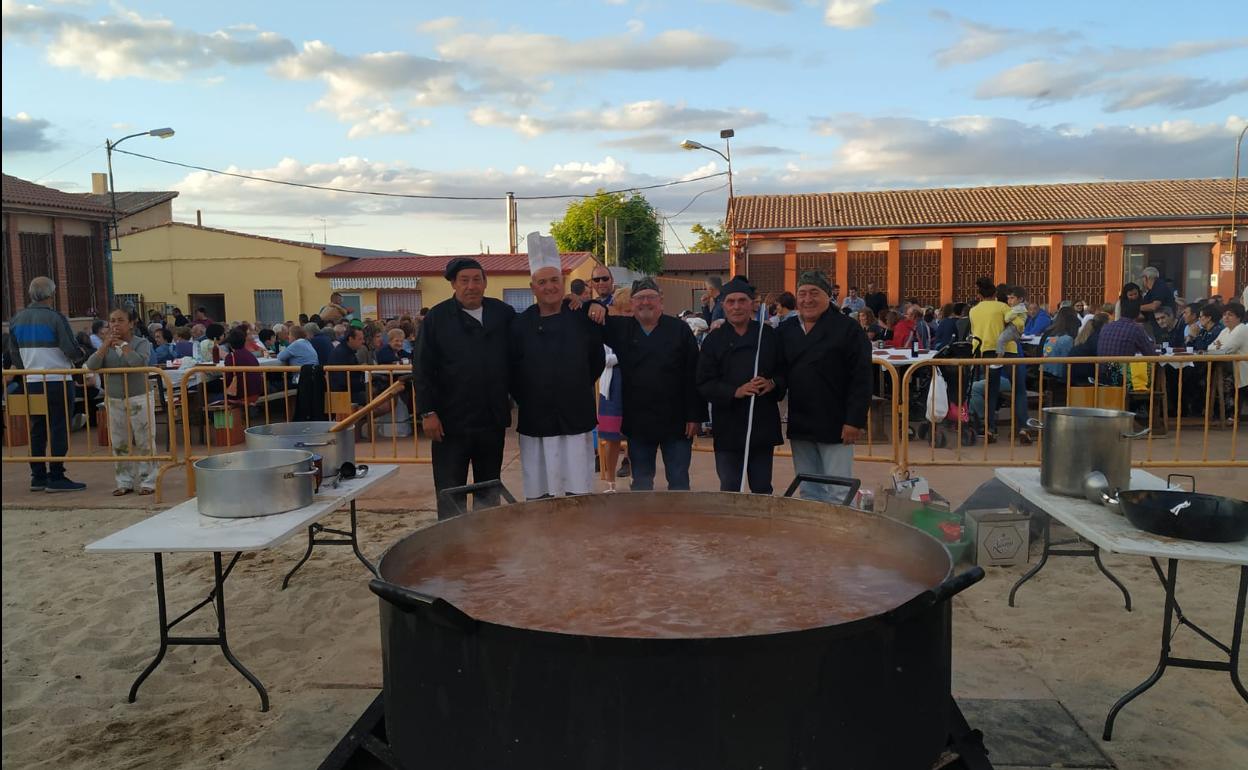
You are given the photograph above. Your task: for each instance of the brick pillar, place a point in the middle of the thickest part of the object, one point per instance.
(842, 266)
(1113, 266)
(892, 278)
(1000, 268)
(1057, 260)
(946, 269)
(60, 269)
(20, 295)
(790, 265)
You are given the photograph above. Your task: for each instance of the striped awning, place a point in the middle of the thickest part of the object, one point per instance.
(375, 282)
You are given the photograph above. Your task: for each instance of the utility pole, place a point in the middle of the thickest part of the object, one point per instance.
(513, 234)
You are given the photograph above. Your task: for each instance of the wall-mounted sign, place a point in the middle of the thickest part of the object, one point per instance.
(1228, 261)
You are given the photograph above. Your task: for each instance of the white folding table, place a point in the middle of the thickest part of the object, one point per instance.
(184, 529)
(1111, 532)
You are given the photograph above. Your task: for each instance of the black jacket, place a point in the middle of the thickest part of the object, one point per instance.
(829, 380)
(310, 395)
(461, 366)
(555, 361)
(725, 364)
(659, 371)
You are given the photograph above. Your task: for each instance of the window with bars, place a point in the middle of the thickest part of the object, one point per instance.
(1028, 266)
(37, 259)
(520, 299)
(824, 261)
(80, 272)
(920, 275)
(128, 301)
(868, 267)
(269, 307)
(10, 299)
(1083, 274)
(396, 304)
(767, 273)
(969, 265)
(1241, 264)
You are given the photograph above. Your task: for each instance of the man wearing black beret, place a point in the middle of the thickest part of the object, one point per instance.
(461, 376)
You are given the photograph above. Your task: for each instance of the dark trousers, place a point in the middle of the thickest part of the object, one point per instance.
(483, 449)
(677, 454)
(60, 397)
(758, 473)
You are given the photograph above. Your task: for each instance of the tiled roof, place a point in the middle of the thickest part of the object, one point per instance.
(494, 264)
(19, 193)
(709, 262)
(130, 202)
(1014, 204)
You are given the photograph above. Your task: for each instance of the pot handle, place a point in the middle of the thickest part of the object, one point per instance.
(1032, 422)
(1140, 434)
(302, 444)
(293, 474)
(1110, 499)
(941, 593)
(440, 610)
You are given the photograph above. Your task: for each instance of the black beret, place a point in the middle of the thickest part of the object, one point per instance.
(644, 284)
(737, 286)
(463, 263)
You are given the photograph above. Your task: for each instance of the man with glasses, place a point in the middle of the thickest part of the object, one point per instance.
(658, 358)
(604, 284)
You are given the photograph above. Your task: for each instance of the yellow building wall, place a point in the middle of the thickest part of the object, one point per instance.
(159, 214)
(166, 264)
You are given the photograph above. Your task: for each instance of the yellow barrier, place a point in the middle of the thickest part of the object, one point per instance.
(27, 406)
(1153, 394)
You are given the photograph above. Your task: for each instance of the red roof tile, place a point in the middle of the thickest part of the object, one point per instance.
(709, 262)
(494, 264)
(1014, 204)
(18, 193)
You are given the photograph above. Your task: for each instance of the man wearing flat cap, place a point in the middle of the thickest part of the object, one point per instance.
(461, 377)
(556, 356)
(658, 358)
(828, 361)
(727, 379)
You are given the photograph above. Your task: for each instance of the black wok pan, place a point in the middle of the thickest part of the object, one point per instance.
(1185, 515)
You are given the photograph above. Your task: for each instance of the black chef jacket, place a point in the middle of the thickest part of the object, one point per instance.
(555, 361)
(461, 366)
(829, 376)
(725, 364)
(659, 371)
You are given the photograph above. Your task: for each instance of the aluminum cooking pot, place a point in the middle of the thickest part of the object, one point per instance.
(255, 482)
(1076, 441)
(335, 448)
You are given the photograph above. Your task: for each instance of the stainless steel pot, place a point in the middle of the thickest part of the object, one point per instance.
(1076, 441)
(334, 448)
(255, 482)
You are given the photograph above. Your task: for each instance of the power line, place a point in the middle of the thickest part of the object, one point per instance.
(66, 163)
(379, 193)
(673, 229)
(699, 195)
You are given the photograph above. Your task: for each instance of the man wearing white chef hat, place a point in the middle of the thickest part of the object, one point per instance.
(556, 355)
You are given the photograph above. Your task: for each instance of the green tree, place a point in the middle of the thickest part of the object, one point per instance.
(635, 227)
(710, 238)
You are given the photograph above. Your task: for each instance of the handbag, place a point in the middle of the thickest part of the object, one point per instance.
(937, 397)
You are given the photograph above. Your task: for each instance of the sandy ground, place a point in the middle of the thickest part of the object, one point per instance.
(78, 628)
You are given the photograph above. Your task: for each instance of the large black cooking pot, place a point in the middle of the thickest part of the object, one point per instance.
(1185, 515)
(465, 691)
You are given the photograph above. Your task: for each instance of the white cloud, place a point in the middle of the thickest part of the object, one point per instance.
(980, 41)
(850, 14)
(778, 6)
(978, 149)
(22, 133)
(533, 54)
(126, 44)
(1116, 77)
(649, 115)
(384, 120)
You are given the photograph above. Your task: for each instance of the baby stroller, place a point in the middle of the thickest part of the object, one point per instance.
(958, 417)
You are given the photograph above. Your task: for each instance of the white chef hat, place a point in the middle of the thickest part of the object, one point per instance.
(543, 252)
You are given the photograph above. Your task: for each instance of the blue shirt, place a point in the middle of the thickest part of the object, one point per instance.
(162, 353)
(299, 353)
(1038, 323)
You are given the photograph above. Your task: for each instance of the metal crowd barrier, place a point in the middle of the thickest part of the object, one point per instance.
(28, 405)
(944, 443)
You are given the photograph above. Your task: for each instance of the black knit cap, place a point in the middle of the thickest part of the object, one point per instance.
(463, 263)
(815, 278)
(737, 286)
(646, 284)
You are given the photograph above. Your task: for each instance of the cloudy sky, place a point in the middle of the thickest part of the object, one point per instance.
(567, 96)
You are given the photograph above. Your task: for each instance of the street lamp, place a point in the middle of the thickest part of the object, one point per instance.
(159, 133)
(1235, 195)
(726, 134)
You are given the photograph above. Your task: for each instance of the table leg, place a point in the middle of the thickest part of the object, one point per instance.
(1166, 660)
(161, 615)
(225, 647)
(345, 538)
(1044, 557)
(1096, 555)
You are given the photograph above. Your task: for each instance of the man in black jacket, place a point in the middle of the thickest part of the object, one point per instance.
(556, 356)
(829, 381)
(658, 360)
(726, 378)
(461, 377)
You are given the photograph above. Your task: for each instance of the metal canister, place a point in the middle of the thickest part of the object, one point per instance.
(866, 499)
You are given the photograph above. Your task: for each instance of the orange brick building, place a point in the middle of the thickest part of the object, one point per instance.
(1061, 241)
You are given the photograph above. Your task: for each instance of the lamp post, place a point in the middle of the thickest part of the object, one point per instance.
(726, 134)
(160, 133)
(1239, 142)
